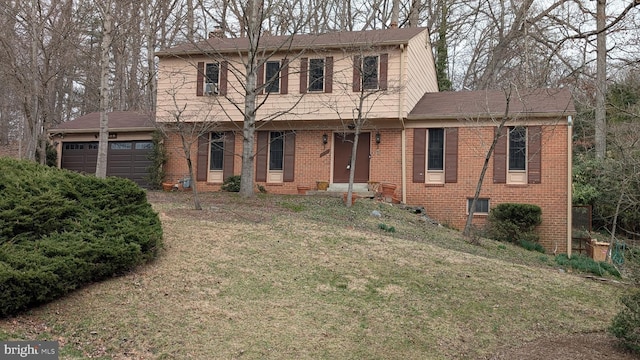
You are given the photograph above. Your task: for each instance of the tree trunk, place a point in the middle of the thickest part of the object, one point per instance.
(601, 81)
(352, 164)
(249, 126)
(103, 139)
(469, 224)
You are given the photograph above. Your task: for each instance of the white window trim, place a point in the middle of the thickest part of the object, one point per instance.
(377, 73)
(324, 75)
(469, 200)
(214, 176)
(518, 177)
(274, 176)
(279, 78)
(434, 176)
(211, 88)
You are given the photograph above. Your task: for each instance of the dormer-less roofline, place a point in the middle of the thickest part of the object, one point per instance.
(333, 40)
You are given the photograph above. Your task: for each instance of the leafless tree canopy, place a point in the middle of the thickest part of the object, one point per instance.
(50, 49)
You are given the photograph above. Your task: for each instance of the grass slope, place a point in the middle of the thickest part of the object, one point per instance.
(299, 277)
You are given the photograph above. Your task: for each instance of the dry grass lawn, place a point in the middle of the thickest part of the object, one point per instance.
(292, 277)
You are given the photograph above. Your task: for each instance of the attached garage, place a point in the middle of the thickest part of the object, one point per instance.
(129, 145)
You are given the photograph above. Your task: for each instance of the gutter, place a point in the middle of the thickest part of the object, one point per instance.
(515, 115)
(569, 182)
(79, 131)
(404, 130)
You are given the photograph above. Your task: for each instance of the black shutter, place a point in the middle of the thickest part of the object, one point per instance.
(419, 154)
(289, 156)
(262, 155)
(200, 79)
(534, 155)
(229, 154)
(500, 157)
(202, 158)
(451, 155)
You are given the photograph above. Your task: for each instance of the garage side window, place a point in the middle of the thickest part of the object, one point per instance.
(120, 145)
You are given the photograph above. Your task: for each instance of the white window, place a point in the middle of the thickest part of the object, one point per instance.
(435, 156)
(212, 79)
(276, 157)
(517, 155)
(370, 73)
(216, 157)
(316, 75)
(272, 77)
(482, 206)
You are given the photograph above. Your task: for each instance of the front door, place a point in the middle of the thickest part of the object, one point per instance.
(343, 143)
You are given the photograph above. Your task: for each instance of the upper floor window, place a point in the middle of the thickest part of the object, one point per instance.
(316, 75)
(370, 73)
(272, 77)
(212, 79)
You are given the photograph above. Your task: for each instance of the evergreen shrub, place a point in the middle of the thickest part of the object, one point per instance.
(60, 230)
(231, 184)
(514, 222)
(626, 324)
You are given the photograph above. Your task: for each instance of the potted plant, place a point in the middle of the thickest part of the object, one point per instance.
(322, 185)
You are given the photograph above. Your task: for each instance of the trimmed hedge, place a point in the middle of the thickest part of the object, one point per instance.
(60, 230)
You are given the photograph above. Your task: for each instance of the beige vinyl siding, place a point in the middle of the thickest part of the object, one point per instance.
(420, 71)
(177, 80)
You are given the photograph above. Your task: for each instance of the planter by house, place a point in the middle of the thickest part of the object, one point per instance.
(373, 186)
(598, 250)
(322, 185)
(302, 189)
(167, 186)
(388, 189)
(353, 198)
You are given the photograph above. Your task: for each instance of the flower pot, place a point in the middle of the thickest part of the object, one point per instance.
(388, 190)
(322, 185)
(167, 186)
(302, 189)
(353, 198)
(373, 186)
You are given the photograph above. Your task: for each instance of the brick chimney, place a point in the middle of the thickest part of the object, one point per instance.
(216, 33)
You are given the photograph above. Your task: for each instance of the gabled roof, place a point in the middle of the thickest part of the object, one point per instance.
(492, 103)
(118, 121)
(332, 40)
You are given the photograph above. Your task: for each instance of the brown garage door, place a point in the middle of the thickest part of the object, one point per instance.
(80, 156)
(127, 159)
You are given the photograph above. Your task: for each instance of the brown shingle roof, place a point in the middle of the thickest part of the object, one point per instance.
(118, 120)
(492, 103)
(298, 42)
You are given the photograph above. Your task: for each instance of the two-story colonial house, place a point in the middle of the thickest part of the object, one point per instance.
(430, 145)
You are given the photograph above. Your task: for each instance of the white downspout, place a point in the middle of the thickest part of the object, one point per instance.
(569, 182)
(404, 131)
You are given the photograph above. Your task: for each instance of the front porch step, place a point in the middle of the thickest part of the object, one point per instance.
(343, 187)
(336, 190)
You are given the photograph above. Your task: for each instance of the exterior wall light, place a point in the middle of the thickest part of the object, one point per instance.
(325, 139)
(378, 138)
